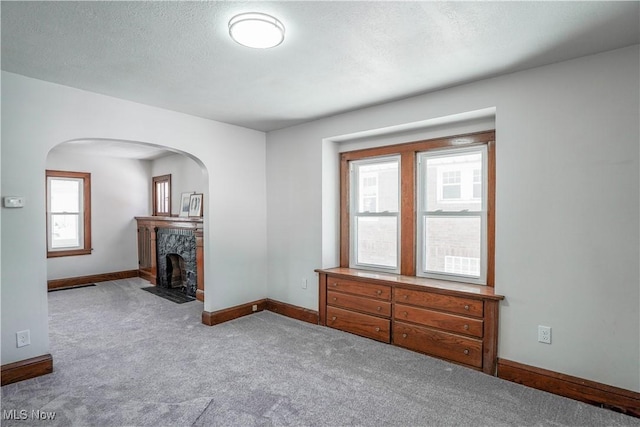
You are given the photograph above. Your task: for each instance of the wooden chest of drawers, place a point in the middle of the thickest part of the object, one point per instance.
(452, 321)
(359, 308)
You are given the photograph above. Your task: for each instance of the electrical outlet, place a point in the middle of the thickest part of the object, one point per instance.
(255, 307)
(23, 338)
(544, 334)
(304, 283)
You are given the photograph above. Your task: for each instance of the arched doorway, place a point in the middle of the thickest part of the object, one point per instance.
(121, 189)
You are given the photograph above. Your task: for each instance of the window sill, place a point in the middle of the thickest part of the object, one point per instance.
(73, 252)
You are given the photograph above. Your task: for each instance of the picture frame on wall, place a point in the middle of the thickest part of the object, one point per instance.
(185, 203)
(195, 205)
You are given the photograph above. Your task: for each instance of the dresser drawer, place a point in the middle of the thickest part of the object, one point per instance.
(437, 319)
(359, 288)
(468, 306)
(437, 343)
(360, 324)
(368, 305)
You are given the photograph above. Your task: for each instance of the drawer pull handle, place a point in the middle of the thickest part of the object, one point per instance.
(334, 318)
(335, 285)
(466, 307)
(406, 296)
(379, 308)
(335, 299)
(377, 329)
(466, 327)
(404, 335)
(378, 292)
(466, 351)
(405, 313)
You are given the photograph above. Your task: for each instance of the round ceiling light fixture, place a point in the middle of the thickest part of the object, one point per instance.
(256, 30)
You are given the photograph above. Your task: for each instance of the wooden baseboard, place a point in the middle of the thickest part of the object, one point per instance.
(147, 275)
(199, 295)
(210, 318)
(83, 280)
(293, 311)
(617, 399)
(26, 369)
(289, 310)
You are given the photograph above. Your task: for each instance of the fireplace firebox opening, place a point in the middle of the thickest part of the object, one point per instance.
(176, 272)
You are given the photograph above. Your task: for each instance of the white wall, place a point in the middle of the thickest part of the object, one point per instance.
(116, 198)
(567, 212)
(36, 116)
(186, 177)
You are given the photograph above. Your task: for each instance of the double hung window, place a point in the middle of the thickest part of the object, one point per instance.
(162, 195)
(374, 217)
(421, 209)
(68, 213)
(452, 214)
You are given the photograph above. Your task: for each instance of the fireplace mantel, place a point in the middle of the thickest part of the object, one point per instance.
(147, 246)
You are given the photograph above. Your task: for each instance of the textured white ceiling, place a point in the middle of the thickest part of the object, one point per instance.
(336, 57)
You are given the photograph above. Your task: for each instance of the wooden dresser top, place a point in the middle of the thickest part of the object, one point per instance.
(413, 282)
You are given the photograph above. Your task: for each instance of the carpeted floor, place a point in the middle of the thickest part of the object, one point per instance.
(125, 357)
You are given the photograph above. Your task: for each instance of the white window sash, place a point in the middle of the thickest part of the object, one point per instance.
(79, 213)
(423, 214)
(354, 215)
(422, 271)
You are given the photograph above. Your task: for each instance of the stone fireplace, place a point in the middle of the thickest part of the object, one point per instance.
(177, 263)
(171, 253)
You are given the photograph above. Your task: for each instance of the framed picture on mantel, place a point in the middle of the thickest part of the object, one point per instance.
(185, 203)
(195, 205)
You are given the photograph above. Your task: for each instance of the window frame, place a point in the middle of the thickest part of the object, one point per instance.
(408, 200)
(85, 214)
(154, 190)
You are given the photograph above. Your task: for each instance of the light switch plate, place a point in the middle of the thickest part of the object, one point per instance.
(13, 202)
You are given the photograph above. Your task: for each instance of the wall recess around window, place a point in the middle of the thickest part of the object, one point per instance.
(445, 222)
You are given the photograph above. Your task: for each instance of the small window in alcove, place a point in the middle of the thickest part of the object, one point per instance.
(162, 195)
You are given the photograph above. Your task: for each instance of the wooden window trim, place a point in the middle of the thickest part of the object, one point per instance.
(86, 190)
(157, 179)
(408, 152)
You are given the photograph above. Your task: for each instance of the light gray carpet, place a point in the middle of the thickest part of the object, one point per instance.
(123, 356)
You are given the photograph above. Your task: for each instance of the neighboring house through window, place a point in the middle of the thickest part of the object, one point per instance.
(451, 185)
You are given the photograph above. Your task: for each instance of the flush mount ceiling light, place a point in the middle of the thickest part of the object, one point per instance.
(257, 30)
